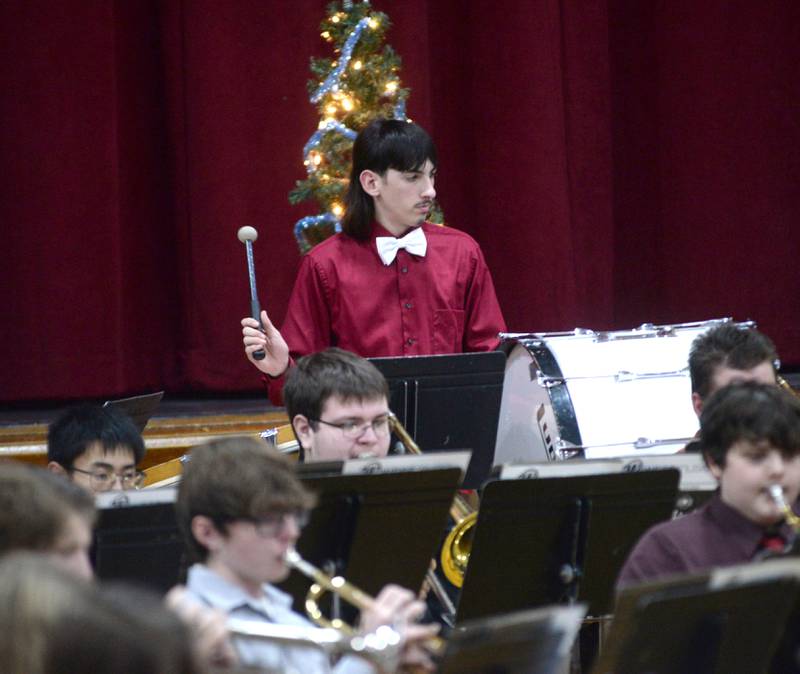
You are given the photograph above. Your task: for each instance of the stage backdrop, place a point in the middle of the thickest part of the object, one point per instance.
(620, 162)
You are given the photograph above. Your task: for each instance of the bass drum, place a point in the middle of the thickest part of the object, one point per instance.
(597, 394)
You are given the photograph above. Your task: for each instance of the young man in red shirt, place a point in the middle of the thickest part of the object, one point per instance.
(391, 283)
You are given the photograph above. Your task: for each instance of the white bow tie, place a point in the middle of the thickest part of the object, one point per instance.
(414, 242)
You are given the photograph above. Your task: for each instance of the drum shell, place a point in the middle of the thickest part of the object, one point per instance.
(600, 392)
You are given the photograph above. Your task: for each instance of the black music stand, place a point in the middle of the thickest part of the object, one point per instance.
(526, 642)
(138, 408)
(375, 529)
(137, 538)
(559, 540)
(449, 402)
(691, 625)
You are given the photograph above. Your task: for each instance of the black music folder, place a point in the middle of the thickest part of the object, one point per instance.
(727, 622)
(526, 642)
(559, 540)
(374, 529)
(138, 408)
(449, 402)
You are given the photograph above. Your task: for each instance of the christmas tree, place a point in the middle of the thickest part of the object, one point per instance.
(359, 83)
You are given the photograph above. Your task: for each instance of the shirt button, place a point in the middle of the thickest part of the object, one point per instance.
(409, 305)
(409, 341)
(404, 270)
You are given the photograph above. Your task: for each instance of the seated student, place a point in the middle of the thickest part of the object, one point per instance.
(338, 404)
(54, 623)
(97, 448)
(42, 512)
(750, 436)
(241, 508)
(728, 354)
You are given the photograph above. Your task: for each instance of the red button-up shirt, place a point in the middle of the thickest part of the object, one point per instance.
(345, 296)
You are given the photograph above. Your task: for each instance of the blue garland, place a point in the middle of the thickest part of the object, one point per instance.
(313, 221)
(317, 136)
(332, 80)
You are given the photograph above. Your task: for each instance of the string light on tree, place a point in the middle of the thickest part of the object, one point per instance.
(359, 83)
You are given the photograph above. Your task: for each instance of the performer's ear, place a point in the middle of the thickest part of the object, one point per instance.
(370, 182)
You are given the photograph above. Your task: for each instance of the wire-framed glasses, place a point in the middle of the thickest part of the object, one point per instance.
(103, 479)
(355, 428)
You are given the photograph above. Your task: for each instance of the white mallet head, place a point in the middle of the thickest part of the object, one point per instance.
(247, 233)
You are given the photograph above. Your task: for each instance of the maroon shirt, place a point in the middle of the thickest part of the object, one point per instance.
(345, 296)
(713, 535)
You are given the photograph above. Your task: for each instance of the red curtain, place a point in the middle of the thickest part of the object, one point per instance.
(619, 161)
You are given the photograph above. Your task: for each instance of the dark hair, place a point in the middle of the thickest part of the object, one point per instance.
(34, 507)
(235, 478)
(80, 427)
(382, 145)
(328, 373)
(727, 345)
(753, 412)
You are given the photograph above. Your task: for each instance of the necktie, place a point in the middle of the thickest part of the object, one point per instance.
(772, 541)
(414, 242)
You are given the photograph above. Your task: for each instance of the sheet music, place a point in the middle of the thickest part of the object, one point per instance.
(135, 497)
(521, 471)
(695, 475)
(402, 464)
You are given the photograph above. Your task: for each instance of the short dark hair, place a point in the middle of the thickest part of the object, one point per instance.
(235, 478)
(727, 345)
(753, 412)
(76, 429)
(328, 373)
(382, 145)
(34, 506)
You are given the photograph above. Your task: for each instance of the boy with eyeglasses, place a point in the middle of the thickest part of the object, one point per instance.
(338, 404)
(96, 447)
(241, 508)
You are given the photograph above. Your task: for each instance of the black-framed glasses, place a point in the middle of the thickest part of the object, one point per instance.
(353, 428)
(102, 479)
(270, 526)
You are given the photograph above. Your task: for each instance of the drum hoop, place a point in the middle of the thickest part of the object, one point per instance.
(563, 409)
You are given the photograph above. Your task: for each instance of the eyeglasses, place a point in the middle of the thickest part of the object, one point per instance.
(353, 429)
(102, 479)
(272, 525)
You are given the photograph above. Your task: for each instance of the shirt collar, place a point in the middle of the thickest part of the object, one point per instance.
(741, 533)
(224, 595)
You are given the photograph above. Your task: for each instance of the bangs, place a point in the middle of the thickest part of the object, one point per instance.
(401, 146)
(402, 155)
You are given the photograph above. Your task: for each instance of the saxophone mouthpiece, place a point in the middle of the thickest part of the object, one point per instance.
(776, 491)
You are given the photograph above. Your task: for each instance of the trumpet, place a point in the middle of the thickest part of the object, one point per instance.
(458, 543)
(347, 591)
(381, 647)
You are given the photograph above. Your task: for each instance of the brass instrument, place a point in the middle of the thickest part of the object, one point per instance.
(786, 385)
(458, 544)
(776, 491)
(381, 647)
(347, 591)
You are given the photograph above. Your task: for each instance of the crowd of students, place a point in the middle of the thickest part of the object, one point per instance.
(240, 506)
